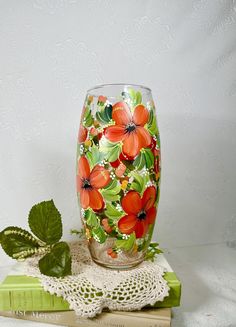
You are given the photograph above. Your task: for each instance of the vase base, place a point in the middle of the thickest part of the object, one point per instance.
(118, 266)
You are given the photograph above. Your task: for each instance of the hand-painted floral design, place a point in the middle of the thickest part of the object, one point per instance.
(118, 172)
(140, 212)
(129, 128)
(82, 134)
(89, 183)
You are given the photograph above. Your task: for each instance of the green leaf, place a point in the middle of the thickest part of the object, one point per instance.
(45, 222)
(140, 162)
(149, 158)
(105, 115)
(94, 156)
(113, 213)
(99, 235)
(138, 98)
(126, 245)
(111, 151)
(134, 97)
(139, 183)
(18, 243)
(111, 191)
(88, 118)
(57, 263)
(91, 218)
(152, 251)
(152, 123)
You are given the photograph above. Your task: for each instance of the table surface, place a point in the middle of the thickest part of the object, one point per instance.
(208, 276)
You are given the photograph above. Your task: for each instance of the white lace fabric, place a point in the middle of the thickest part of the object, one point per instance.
(92, 288)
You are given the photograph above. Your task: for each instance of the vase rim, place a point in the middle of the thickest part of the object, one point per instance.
(100, 86)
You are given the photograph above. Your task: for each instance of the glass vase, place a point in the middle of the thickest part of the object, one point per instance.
(118, 173)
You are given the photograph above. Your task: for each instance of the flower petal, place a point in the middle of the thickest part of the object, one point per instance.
(82, 134)
(140, 228)
(149, 197)
(95, 200)
(141, 115)
(115, 133)
(131, 145)
(121, 113)
(131, 202)
(84, 198)
(78, 183)
(99, 177)
(120, 170)
(144, 138)
(83, 167)
(151, 215)
(127, 224)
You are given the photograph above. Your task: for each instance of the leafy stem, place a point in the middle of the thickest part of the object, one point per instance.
(46, 225)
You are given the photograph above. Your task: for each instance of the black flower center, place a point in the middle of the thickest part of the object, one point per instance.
(130, 127)
(86, 184)
(142, 215)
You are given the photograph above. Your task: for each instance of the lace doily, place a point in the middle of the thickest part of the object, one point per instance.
(91, 288)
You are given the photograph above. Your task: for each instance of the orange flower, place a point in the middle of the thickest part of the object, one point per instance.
(82, 134)
(129, 128)
(106, 226)
(120, 170)
(102, 99)
(112, 253)
(140, 212)
(88, 184)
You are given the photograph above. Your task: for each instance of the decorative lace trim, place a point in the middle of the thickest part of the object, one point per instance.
(91, 288)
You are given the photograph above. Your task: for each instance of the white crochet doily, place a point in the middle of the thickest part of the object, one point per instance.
(91, 288)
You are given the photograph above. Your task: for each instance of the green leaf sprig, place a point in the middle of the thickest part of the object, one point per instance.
(46, 225)
(152, 251)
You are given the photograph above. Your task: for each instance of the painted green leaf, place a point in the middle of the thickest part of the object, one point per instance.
(139, 162)
(109, 196)
(94, 156)
(133, 96)
(99, 235)
(139, 183)
(126, 245)
(91, 218)
(88, 118)
(138, 98)
(45, 222)
(105, 115)
(149, 158)
(57, 263)
(144, 245)
(111, 192)
(18, 242)
(113, 213)
(111, 151)
(152, 123)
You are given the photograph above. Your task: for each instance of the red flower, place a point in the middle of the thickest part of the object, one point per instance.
(129, 128)
(88, 184)
(140, 212)
(120, 170)
(102, 99)
(82, 134)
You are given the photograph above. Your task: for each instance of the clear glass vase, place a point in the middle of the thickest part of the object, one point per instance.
(118, 173)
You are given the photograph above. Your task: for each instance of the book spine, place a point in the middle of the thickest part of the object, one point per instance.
(105, 319)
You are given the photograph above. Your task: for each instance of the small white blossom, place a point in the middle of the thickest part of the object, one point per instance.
(82, 212)
(118, 207)
(149, 183)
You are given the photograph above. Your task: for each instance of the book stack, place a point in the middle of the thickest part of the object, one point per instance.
(23, 297)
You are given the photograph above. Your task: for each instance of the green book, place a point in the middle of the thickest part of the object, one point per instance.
(20, 292)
